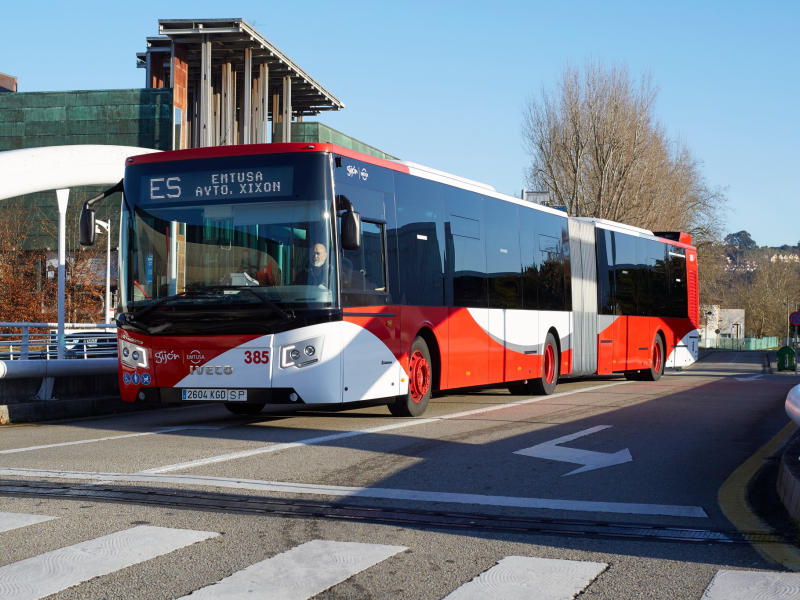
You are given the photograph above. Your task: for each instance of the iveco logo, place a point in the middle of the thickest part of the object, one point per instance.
(209, 370)
(195, 356)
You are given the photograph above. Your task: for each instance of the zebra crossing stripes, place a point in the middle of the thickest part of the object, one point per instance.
(746, 585)
(299, 573)
(524, 577)
(60, 569)
(9, 521)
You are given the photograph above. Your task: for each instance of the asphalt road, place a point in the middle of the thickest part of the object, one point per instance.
(416, 508)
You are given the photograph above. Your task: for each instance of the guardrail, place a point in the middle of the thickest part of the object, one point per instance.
(39, 341)
(765, 343)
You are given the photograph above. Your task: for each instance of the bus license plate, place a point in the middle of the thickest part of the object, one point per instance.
(215, 394)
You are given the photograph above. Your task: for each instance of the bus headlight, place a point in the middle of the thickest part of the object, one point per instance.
(132, 355)
(302, 353)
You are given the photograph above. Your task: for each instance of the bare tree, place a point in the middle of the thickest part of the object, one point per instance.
(598, 149)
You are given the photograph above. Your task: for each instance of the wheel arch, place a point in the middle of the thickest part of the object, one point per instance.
(427, 334)
(554, 331)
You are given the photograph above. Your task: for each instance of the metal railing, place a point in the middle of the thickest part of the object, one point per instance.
(39, 341)
(765, 343)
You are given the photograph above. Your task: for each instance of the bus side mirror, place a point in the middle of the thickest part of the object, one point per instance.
(87, 225)
(351, 230)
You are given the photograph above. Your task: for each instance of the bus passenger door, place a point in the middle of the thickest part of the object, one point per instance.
(371, 326)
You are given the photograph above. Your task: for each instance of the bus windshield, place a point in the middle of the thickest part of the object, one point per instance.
(235, 233)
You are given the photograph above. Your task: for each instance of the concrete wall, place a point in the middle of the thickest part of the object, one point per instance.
(728, 320)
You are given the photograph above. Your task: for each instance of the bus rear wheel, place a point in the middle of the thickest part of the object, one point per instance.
(244, 409)
(546, 384)
(420, 382)
(656, 369)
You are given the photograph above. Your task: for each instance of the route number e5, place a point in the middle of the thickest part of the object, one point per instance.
(256, 357)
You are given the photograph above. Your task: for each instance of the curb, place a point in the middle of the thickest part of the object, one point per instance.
(789, 479)
(54, 410)
(732, 498)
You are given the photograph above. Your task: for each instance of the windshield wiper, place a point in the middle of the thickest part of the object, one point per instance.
(262, 297)
(199, 291)
(146, 309)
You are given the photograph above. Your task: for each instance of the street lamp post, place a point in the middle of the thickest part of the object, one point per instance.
(708, 314)
(107, 226)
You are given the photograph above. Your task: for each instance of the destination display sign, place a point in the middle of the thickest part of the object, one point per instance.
(228, 184)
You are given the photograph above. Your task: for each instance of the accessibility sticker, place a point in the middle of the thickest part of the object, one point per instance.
(135, 379)
(126, 378)
(145, 378)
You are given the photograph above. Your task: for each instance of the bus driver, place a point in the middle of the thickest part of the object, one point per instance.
(317, 274)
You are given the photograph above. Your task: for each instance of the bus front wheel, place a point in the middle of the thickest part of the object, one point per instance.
(420, 382)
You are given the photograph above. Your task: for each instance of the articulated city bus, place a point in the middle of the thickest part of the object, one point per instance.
(309, 274)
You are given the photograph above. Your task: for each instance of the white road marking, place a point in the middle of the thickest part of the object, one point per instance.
(523, 578)
(589, 459)
(753, 378)
(60, 569)
(300, 573)
(115, 437)
(9, 521)
(348, 434)
(746, 585)
(372, 492)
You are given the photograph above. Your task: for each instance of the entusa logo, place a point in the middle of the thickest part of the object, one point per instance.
(196, 357)
(165, 356)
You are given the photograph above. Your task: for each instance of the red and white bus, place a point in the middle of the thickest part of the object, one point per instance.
(309, 274)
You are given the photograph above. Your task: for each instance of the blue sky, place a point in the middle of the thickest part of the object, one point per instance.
(443, 83)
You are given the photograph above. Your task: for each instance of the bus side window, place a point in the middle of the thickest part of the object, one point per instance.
(504, 269)
(551, 250)
(364, 270)
(605, 273)
(678, 285)
(466, 250)
(420, 240)
(530, 264)
(659, 278)
(625, 273)
(643, 298)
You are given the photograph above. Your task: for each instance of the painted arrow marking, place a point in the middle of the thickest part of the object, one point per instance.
(754, 377)
(589, 459)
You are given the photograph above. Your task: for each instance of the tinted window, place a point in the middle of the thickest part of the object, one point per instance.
(503, 254)
(529, 254)
(659, 278)
(642, 278)
(625, 272)
(420, 231)
(552, 264)
(466, 253)
(605, 273)
(678, 288)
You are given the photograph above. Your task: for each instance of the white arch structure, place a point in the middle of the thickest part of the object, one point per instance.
(60, 168)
